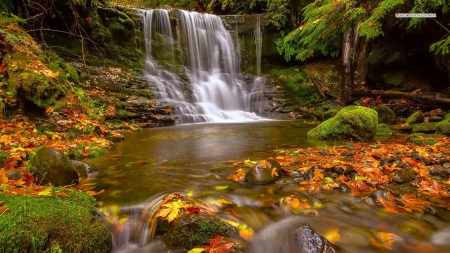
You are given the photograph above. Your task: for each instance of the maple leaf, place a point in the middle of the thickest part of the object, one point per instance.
(386, 239)
(192, 209)
(220, 202)
(379, 100)
(239, 176)
(246, 233)
(318, 175)
(171, 210)
(389, 204)
(216, 245)
(49, 111)
(28, 178)
(274, 173)
(3, 177)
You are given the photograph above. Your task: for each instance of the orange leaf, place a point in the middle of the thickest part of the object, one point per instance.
(318, 175)
(28, 178)
(217, 246)
(49, 111)
(246, 233)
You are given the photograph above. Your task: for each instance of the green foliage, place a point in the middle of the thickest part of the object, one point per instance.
(327, 20)
(6, 5)
(278, 12)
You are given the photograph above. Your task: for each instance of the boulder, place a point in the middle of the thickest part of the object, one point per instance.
(440, 171)
(52, 167)
(194, 229)
(351, 122)
(261, 175)
(425, 127)
(308, 241)
(420, 138)
(443, 127)
(84, 169)
(415, 118)
(331, 113)
(404, 175)
(383, 129)
(385, 115)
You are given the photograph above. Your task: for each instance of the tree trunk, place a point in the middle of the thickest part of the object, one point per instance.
(347, 78)
(429, 98)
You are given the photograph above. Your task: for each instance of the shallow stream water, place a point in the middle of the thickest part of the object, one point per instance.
(195, 160)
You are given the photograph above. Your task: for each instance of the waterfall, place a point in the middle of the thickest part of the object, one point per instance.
(258, 42)
(212, 89)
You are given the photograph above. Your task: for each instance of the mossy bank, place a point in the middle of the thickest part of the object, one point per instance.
(64, 221)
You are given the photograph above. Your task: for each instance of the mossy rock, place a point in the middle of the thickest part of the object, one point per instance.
(385, 115)
(403, 128)
(194, 229)
(420, 138)
(447, 116)
(49, 224)
(260, 176)
(443, 127)
(435, 119)
(425, 127)
(52, 167)
(415, 118)
(331, 113)
(383, 129)
(352, 122)
(395, 78)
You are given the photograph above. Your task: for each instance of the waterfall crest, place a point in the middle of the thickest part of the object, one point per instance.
(210, 87)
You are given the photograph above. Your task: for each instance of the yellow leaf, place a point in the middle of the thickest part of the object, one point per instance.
(220, 202)
(47, 192)
(333, 235)
(246, 233)
(274, 172)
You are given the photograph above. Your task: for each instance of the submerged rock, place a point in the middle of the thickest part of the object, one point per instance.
(84, 169)
(260, 175)
(52, 167)
(194, 229)
(441, 172)
(308, 241)
(404, 175)
(351, 122)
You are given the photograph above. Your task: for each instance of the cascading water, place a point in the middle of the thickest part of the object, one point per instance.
(214, 90)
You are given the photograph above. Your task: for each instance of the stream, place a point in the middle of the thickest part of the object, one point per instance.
(194, 159)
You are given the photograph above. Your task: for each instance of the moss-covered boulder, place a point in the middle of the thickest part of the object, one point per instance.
(443, 127)
(420, 138)
(351, 122)
(65, 222)
(52, 167)
(425, 127)
(415, 118)
(385, 115)
(447, 116)
(383, 129)
(331, 113)
(403, 128)
(194, 229)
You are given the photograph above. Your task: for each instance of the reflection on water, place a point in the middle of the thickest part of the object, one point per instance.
(193, 159)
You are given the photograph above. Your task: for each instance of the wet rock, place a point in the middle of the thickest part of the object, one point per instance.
(385, 115)
(351, 122)
(441, 172)
(435, 119)
(194, 229)
(15, 175)
(84, 169)
(381, 193)
(403, 128)
(420, 138)
(343, 188)
(259, 175)
(346, 170)
(415, 118)
(308, 241)
(52, 167)
(404, 175)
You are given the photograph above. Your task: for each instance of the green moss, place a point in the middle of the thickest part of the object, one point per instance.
(49, 222)
(425, 127)
(416, 117)
(443, 127)
(395, 78)
(383, 129)
(297, 86)
(420, 138)
(447, 116)
(403, 129)
(3, 156)
(385, 115)
(354, 122)
(331, 113)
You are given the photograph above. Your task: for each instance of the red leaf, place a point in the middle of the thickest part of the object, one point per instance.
(193, 210)
(28, 178)
(217, 246)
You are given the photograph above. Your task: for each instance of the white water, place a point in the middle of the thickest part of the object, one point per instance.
(214, 90)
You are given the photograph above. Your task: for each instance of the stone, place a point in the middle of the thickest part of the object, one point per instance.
(415, 118)
(404, 175)
(383, 129)
(331, 113)
(425, 127)
(441, 172)
(194, 229)
(307, 240)
(52, 167)
(259, 175)
(351, 122)
(385, 115)
(420, 138)
(15, 175)
(443, 127)
(84, 169)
